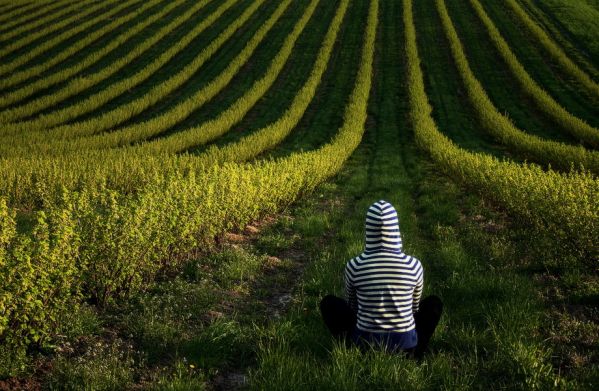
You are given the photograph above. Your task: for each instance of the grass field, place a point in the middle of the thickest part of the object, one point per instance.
(181, 182)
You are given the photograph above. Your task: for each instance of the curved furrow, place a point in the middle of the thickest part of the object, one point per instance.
(452, 110)
(143, 130)
(73, 50)
(27, 13)
(55, 14)
(543, 151)
(127, 238)
(571, 46)
(322, 117)
(577, 22)
(98, 99)
(264, 138)
(495, 76)
(130, 174)
(577, 127)
(540, 65)
(260, 140)
(553, 49)
(82, 83)
(563, 205)
(63, 34)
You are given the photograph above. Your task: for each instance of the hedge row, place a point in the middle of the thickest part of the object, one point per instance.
(116, 89)
(574, 125)
(112, 8)
(101, 244)
(73, 51)
(562, 205)
(554, 49)
(556, 154)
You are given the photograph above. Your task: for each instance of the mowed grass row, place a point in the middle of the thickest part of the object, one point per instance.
(118, 167)
(322, 117)
(225, 120)
(452, 111)
(141, 130)
(575, 49)
(238, 194)
(112, 91)
(55, 12)
(550, 153)
(570, 123)
(278, 99)
(492, 72)
(576, 21)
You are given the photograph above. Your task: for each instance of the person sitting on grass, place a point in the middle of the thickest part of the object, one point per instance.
(383, 288)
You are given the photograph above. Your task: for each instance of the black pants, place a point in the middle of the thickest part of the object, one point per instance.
(341, 320)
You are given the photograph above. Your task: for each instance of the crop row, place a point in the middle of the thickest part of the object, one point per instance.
(116, 89)
(80, 26)
(553, 49)
(111, 160)
(563, 205)
(34, 24)
(260, 140)
(103, 245)
(576, 126)
(27, 13)
(72, 50)
(553, 153)
(214, 128)
(80, 84)
(50, 141)
(576, 48)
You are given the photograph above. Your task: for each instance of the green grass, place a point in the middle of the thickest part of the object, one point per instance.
(23, 50)
(323, 116)
(219, 61)
(98, 44)
(280, 95)
(496, 78)
(577, 19)
(541, 69)
(144, 60)
(519, 313)
(451, 109)
(571, 46)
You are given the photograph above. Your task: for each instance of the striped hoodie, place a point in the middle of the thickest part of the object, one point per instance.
(383, 285)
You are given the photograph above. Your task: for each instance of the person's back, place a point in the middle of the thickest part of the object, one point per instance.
(383, 285)
(383, 289)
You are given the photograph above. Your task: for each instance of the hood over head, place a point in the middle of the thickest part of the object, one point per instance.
(382, 228)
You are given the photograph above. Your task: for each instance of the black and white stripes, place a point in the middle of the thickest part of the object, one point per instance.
(383, 284)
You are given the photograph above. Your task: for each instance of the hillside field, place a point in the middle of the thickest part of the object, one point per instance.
(182, 181)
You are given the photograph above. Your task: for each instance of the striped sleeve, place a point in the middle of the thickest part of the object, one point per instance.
(350, 289)
(417, 291)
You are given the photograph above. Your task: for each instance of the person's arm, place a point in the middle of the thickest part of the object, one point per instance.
(417, 291)
(350, 289)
